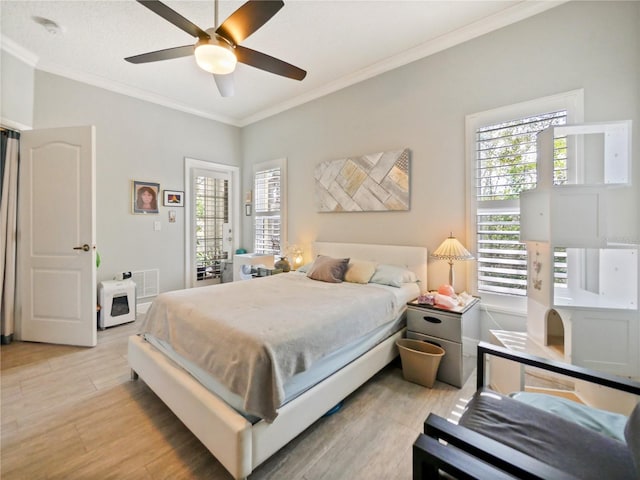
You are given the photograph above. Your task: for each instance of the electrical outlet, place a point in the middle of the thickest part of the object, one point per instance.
(157, 226)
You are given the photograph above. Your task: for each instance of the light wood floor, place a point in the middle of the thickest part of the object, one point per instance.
(73, 413)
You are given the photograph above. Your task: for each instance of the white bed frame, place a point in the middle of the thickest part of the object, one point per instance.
(235, 442)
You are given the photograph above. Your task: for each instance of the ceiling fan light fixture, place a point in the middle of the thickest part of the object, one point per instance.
(217, 50)
(215, 56)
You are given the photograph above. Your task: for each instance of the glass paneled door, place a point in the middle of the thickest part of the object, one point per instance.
(210, 236)
(211, 214)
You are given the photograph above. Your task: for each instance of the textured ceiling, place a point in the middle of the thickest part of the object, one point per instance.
(338, 42)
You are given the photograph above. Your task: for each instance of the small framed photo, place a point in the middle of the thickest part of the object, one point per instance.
(173, 198)
(144, 197)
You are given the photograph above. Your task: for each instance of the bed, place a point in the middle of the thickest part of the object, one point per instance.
(237, 427)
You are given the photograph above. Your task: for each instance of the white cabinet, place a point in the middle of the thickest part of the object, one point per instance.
(593, 212)
(606, 341)
(593, 222)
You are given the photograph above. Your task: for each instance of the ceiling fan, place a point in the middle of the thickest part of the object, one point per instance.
(217, 49)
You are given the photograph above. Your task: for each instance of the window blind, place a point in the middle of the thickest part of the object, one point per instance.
(506, 166)
(267, 220)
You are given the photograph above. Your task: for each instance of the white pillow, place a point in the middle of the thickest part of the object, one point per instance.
(393, 275)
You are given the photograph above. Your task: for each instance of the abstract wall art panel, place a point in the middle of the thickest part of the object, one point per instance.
(370, 183)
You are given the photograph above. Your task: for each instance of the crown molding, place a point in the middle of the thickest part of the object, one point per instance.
(129, 91)
(513, 14)
(18, 51)
(13, 125)
(33, 61)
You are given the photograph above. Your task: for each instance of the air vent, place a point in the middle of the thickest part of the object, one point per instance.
(147, 283)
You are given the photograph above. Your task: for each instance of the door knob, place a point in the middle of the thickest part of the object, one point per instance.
(84, 248)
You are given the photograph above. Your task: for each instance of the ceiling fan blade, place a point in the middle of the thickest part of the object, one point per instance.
(174, 17)
(167, 54)
(225, 84)
(270, 64)
(247, 19)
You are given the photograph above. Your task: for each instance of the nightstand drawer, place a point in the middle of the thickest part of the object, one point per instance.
(435, 323)
(450, 369)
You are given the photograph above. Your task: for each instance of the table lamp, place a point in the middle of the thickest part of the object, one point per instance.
(296, 256)
(451, 249)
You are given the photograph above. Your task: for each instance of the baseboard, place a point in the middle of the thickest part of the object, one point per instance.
(143, 307)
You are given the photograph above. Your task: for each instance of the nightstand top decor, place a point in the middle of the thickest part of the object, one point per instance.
(459, 309)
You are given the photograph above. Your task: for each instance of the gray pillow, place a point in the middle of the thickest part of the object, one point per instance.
(328, 269)
(632, 435)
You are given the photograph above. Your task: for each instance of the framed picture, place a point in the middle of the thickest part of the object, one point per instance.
(144, 197)
(173, 198)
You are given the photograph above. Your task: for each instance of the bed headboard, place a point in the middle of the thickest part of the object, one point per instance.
(414, 258)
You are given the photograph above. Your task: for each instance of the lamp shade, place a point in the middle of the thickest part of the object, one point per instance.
(452, 249)
(295, 253)
(297, 258)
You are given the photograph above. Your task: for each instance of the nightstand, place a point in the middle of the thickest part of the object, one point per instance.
(447, 328)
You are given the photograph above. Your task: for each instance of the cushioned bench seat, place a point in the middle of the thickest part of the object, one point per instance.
(561, 443)
(501, 437)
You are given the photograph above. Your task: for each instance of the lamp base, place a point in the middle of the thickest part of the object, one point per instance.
(451, 275)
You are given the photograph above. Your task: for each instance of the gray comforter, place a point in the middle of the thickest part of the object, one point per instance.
(253, 336)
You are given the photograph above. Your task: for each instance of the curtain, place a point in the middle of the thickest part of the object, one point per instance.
(8, 216)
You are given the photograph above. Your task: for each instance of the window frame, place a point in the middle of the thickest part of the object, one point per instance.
(280, 163)
(571, 101)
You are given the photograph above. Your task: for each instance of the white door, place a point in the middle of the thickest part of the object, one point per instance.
(56, 237)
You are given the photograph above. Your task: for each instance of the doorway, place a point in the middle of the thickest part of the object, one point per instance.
(212, 219)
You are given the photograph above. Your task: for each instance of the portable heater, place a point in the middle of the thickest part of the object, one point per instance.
(117, 299)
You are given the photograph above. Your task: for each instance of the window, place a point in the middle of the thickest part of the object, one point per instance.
(505, 167)
(270, 207)
(502, 164)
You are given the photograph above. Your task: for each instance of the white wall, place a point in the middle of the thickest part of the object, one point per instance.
(422, 106)
(16, 92)
(135, 140)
